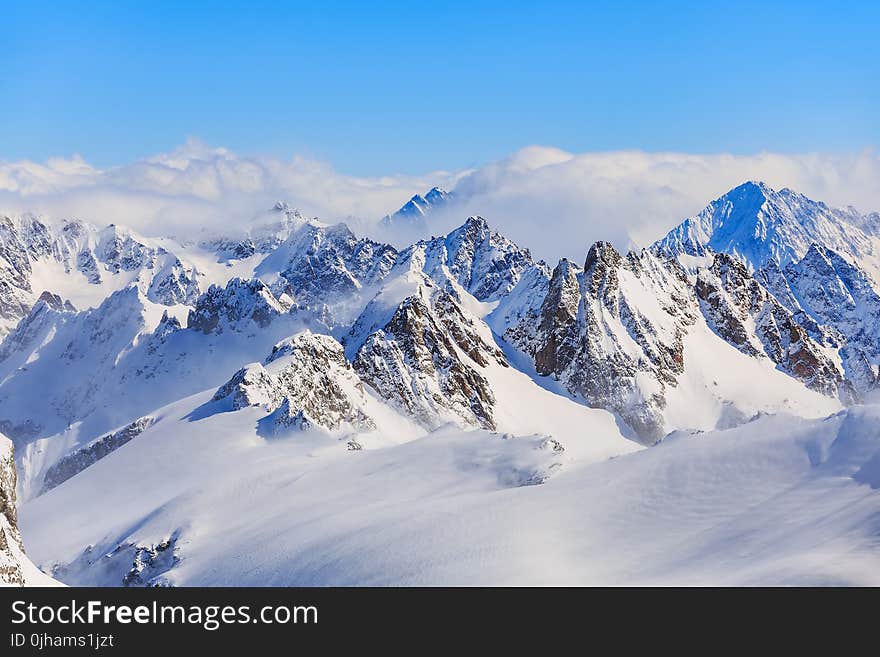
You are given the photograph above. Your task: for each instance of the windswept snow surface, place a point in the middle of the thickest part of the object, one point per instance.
(205, 501)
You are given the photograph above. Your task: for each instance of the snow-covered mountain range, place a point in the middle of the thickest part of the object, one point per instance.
(176, 406)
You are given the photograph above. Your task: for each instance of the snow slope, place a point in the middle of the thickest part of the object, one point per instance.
(721, 387)
(779, 500)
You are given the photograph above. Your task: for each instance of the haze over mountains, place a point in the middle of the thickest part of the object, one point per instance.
(303, 405)
(534, 195)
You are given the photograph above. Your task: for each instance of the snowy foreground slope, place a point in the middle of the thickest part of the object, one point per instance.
(298, 404)
(779, 500)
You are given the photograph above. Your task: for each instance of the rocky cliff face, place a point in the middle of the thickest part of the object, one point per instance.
(483, 262)
(427, 361)
(11, 547)
(740, 310)
(15, 567)
(320, 264)
(80, 459)
(556, 334)
(840, 299)
(612, 333)
(305, 382)
(15, 271)
(236, 306)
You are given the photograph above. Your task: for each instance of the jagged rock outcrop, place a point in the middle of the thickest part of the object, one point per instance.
(740, 310)
(166, 280)
(318, 264)
(426, 360)
(11, 547)
(838, 305)
(168, 325)
(485, 263)
(173, 283)
(151, 563)
(236, 306)
(124, 563)
(250, 386)
(80, 459)
(841, 297)
(613, 333)
(558, 321)
(464, 331)
(15, 271)
(55, 302)
(306, 381)
(15, 567)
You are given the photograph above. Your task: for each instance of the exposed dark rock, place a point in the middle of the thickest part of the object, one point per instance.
(746, 315)
(414, 363)
(305, 382)
(232, 307)
(77, 461)
(595, 336)
(11, 546)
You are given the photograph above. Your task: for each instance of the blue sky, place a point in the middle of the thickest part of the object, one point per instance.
(379, 88)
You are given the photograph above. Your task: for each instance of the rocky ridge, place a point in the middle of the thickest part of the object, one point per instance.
(106, 258)
(427, 360)
(414, 323)
(305, 382)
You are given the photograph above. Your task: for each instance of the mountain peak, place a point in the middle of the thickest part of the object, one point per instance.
(603, 252)
(436, 195)
(414, 210)
(750, 192)
(756, 185)
(759, 224)
(475, 222)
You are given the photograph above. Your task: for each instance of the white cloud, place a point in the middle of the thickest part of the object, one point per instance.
(196, 187)
(555, 202)
(559, 203)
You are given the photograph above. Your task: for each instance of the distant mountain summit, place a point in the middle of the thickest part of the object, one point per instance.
(821, 264)
(758, 225)
(414, 212)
